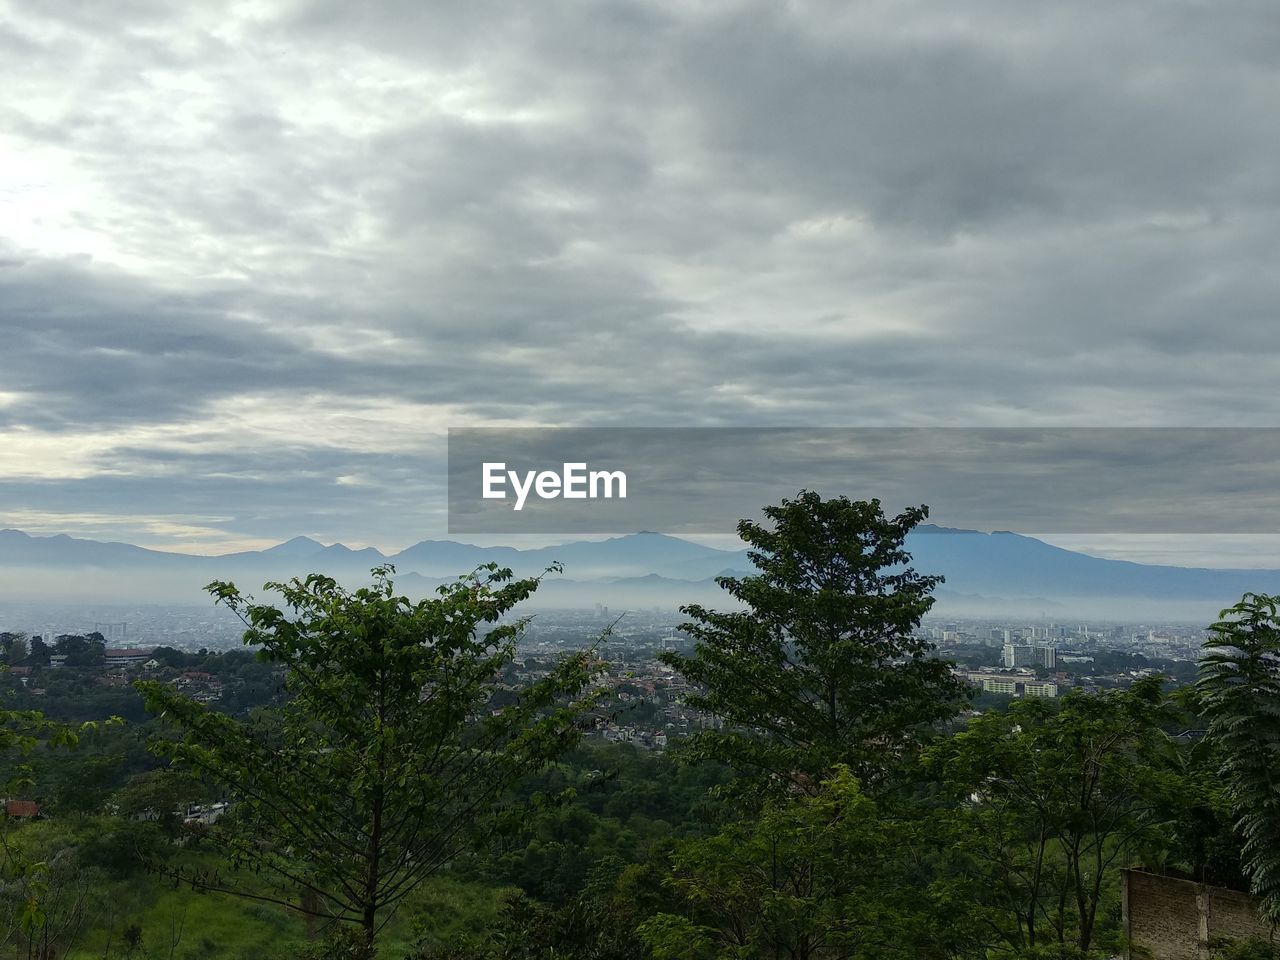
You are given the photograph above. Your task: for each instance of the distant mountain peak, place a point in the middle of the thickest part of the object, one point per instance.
(353, 551)
(935, 528)
(1000, 568)
(297, 547)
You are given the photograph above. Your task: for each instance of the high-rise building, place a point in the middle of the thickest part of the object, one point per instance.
(1030, 655)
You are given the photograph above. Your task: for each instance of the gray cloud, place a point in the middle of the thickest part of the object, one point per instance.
(245, 254)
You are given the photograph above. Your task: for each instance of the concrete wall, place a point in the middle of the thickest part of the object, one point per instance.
(1168, 918)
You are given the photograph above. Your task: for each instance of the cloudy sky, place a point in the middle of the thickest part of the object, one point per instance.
(256, 258)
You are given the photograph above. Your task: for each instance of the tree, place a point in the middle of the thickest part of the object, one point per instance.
(13, 647)
(81, 651)
(817, 875)
(386, 758)
(41, 896)
(39, 655)
(1048, 801)
(1239, 687)
(823, 666)
(597, 924)
(159, 796)
(46, 903)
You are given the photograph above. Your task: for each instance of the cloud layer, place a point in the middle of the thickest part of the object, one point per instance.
(256, 258)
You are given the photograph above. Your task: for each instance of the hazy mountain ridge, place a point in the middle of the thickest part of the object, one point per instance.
(1001, 570)
(635, 554)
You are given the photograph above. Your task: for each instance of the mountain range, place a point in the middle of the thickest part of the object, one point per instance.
(998, 572)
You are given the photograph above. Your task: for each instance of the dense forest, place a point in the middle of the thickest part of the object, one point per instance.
(365, 779)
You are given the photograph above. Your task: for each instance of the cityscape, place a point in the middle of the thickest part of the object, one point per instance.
(998, 659)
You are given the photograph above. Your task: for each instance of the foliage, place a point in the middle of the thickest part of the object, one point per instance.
(1198, 839)
(45, 903)
(823, 666)
(387, 759)
(42, 898)
(1239, 686)
(1248, 950)
(597, 924)
(614, 803)
(160, 797)
(1048, 801)
(13, 647)
(816, 875)
(81, 651)
(366, 742)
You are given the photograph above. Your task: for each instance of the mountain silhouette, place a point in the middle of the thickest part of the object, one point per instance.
(1001, 569)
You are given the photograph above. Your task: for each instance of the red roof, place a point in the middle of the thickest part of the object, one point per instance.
(21, 808)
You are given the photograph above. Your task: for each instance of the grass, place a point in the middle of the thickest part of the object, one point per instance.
(181, 923)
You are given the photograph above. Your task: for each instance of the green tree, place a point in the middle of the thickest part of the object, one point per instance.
(386, 758)
(159, 796)
(597, 924)
(39, 907)
(47, 899)
(81, 651)
(39, 652)
(1239, 687)
(823, 665)
(1048, 802)
(13, 647)
(1199, 839)
(82, 787)
(816, 875)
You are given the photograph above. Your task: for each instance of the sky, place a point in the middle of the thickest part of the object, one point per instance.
(256, 258)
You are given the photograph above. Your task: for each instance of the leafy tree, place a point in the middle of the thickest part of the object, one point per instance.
(159, 796)
(597, 924)
(41, 895)
(1049, 801)
(823, 666)
(39, 655)
(1239, 687)
(47, 898)
(171, 657)
(13, 647)
(1199, 839)
(817, 875)
(81, 651)
(82, 787)
(386, 759)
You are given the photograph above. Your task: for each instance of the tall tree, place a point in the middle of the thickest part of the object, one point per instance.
(823, 665)
(816, 875)
(81, 651)
(388, 755)
(1239, 686)
(1049, 800)
(39, 652)
(13, 647)
(38, 906)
